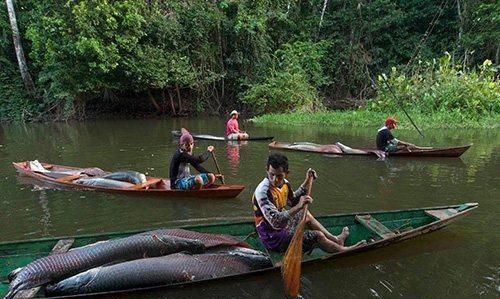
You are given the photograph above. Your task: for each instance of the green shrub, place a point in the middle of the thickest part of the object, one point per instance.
(441, 87)
(15, 103)
(292, 82)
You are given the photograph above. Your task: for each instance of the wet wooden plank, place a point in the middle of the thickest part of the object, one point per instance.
(375, 226)
(441, 214)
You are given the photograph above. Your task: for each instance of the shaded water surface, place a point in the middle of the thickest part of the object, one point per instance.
(461, 261)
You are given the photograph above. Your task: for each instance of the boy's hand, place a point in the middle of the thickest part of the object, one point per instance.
(311, 173)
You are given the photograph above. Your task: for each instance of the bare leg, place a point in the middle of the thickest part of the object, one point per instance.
(314, 224)
(331, 247)
(198, 182)
(343, 236)
(211, 179)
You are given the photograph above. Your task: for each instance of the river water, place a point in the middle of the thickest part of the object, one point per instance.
(460, 261)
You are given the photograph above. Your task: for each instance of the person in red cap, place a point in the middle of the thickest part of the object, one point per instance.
(233, 131)
(386, 141)
(180, 175)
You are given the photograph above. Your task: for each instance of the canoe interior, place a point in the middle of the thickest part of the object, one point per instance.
(220, 138)
(403, 224)
(158, 186)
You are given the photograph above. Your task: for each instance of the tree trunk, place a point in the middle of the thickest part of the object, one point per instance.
(23, 68)
(323, 13)
(152, 98)
(497, 55)
(172, 102)
(178, 97)
(461, 28)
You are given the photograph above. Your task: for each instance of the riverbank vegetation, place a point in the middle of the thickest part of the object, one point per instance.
(437, 95)
(134, 58)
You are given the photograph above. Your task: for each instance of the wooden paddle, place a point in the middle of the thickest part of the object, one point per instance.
(221, 177)
(290, 267)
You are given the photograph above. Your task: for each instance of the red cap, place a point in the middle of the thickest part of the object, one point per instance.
(390, 121)
(185, 137)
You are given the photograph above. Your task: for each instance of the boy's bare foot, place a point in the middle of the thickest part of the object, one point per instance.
(343, 236)
(360, 243)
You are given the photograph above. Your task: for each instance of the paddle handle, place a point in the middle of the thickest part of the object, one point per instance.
(291, 266)
(218, 168)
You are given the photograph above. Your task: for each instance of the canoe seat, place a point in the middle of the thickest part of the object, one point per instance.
(62, 246)
(147, 184)
(441, 214)
(375, 226)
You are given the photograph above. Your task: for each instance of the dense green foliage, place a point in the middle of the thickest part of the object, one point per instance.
(264, 56)
(441, 87)
(438, 94)
(292, 81)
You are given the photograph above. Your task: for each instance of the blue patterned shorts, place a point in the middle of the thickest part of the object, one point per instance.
(188, 183)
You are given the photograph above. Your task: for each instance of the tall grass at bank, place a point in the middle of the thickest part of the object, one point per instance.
(365, 118)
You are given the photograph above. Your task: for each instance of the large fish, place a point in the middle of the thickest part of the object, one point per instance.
(56, 267)
(102, 182)
(130, 176)
(175, 268)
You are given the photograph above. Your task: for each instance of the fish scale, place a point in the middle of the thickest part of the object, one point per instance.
(175, 268)
(209, 240)
(55, 267)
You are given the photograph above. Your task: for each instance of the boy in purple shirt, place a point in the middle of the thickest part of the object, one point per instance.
(276, 225)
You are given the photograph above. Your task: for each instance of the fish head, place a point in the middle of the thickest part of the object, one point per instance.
(75, 284)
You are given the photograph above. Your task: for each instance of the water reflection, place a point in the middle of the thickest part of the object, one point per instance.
(460, 261)
(233, 155)
(45, 218)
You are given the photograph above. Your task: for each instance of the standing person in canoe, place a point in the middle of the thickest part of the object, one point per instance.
(276, 225)
(233, 131)
(180, 176)
(387, 142)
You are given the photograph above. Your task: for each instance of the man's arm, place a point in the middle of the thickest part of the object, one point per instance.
(302, 190)
(191, 159)
(277, 219)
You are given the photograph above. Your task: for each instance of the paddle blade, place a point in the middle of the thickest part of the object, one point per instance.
(290, 268)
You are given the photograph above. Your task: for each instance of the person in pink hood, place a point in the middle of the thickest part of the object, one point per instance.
(233, 131)
(180, 175)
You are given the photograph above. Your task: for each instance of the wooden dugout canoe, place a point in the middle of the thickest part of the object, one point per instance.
(333, 149)
(153, 185)
(220, 138)
(380, 228)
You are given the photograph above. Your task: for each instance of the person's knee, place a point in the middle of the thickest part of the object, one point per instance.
(309, 217)
(211, 178)
(198, 180)
(321, 236)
